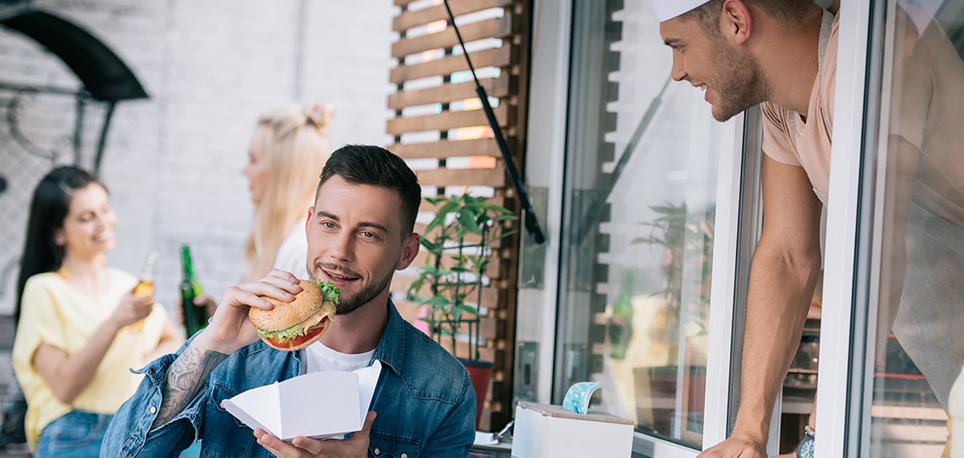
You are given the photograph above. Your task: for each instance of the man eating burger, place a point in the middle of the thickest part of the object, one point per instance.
(359, 232)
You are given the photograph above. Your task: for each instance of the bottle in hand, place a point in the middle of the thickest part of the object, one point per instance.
(145, 284)
(195, 318)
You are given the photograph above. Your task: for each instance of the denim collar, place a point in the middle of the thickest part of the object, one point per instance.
(391, 348)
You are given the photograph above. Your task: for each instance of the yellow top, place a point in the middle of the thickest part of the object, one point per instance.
(58, 315)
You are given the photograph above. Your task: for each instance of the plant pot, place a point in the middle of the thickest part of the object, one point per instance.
(481, 373)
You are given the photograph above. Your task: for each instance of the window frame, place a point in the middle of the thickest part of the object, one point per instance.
(843, 326)
(841, 385)
(737, 204)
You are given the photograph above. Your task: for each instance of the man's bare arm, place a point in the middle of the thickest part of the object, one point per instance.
(183, 380)
(786, 266)
(785, 270)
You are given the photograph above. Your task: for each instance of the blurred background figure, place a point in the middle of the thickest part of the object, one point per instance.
(80, 327)
(288, 149)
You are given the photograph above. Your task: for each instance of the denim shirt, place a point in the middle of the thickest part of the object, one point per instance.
(424, 401)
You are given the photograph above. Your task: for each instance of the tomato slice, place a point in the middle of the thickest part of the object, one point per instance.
(302, 339)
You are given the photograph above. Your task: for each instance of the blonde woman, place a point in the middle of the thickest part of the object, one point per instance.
(288, 149)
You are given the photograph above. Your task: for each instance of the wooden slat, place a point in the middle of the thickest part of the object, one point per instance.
(411, 19)
(491, 270)
(495, 57)
(469, 238)
(511, 89)
(489, 28)
(448, 120)
(450, 148)
(491, 297)
(426, 206)
(446, 93)
(463, 177)
(487, 327)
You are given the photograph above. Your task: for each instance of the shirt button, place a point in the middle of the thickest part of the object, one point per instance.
(404, 455)
(153, 410)
(376, 452)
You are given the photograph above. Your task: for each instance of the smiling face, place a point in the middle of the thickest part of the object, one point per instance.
(732, 80)
(257, 169)
(355, 240)
(88, 229)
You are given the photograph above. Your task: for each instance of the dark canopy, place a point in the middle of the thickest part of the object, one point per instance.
(104, 75)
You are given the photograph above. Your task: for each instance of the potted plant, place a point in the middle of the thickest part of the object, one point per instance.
(687, 238)
(449, 286)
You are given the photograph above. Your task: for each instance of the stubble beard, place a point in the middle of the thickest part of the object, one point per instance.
(348, 304)
(740, 85)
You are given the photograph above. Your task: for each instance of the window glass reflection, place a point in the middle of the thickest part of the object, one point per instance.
(919, 231)
(641, 167)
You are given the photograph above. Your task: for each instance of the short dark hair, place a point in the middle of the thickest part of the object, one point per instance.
(48, 209)
(376, 166)
(786, 11)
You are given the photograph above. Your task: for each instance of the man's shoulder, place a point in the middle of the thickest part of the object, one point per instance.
(422, 350)
(422, 344)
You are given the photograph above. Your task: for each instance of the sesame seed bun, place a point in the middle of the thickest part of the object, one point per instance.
(286, 314)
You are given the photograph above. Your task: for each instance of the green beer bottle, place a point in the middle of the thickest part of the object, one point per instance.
(621, 321)
(195, 318)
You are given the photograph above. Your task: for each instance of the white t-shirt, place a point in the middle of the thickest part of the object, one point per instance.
(319, 358)
(293, 253)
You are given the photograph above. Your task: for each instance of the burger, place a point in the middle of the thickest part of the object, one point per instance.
(294, 325)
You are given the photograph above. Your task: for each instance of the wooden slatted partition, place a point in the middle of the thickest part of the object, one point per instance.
(440, 129)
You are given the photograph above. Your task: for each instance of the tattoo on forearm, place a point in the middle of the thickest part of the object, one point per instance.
(184, 378)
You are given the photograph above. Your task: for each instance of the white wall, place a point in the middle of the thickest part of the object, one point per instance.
(173, 161)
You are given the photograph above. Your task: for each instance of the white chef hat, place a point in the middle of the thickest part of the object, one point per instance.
(668, 9)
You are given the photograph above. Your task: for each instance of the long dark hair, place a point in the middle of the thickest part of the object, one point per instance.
(48, 209)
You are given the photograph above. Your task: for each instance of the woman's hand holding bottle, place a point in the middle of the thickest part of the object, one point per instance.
(132, 309)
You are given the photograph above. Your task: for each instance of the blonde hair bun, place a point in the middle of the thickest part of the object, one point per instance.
(319, 115)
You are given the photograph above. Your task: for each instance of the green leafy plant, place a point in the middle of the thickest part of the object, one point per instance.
(688, 240)
(459, 244)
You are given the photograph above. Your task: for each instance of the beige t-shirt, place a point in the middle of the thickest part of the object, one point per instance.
(790, 139)
(56, 314)
(927, 110)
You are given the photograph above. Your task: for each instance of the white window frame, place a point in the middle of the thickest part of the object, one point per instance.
(545, 167)
(546, 150)
(833, 416)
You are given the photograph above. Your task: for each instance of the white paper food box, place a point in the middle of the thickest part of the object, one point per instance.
(543, 431)
(319, 405)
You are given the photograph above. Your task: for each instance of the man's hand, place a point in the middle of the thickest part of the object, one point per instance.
(735, 447)
(230, 328)
(355, 446)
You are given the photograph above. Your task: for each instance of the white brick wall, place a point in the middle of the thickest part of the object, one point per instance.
(173, 162)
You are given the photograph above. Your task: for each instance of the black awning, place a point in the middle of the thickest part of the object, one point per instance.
(104, 75)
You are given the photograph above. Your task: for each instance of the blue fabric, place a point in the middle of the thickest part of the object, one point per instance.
(77, 434)
(424, 400)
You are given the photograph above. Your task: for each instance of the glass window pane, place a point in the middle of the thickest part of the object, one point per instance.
(641, 167)
(917, 254)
